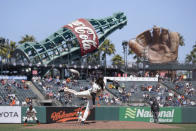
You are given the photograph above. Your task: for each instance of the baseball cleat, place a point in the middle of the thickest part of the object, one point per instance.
(82, 123)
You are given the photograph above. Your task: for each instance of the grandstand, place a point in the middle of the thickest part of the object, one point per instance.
(120, 91)
(16, 90)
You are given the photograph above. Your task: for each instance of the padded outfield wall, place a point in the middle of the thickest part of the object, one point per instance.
(166, 115)
(17, 114)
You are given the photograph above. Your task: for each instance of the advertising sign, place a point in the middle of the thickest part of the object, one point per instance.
(41, 115)
(166, 115)
(13, 77)
(86, 35)
(155, 79)
(10, 114)
(63, 114)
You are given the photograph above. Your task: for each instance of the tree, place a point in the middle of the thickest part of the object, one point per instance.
(12, 47)
(94, 58)
(191, 58)
(181, 40)
(188, 58)
(27, 38)
(7, 48)
(135, 57)
(107, 48)
(3, 49)
(117, 60)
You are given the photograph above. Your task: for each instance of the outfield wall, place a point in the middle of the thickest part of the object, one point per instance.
(188, 114)
(166, 115)
(17, 114)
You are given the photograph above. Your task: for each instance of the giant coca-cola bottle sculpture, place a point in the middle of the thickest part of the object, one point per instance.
(71, 41)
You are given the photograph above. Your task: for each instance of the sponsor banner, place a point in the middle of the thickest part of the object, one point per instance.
(132, 78)
(166, 115)
(14, 77)
(10, 114)
(63, 114)
(85, 34)
(41, 115)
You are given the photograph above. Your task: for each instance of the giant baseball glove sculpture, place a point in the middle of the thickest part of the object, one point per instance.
(158, 45)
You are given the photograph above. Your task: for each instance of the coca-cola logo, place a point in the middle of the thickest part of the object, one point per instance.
(85, 34)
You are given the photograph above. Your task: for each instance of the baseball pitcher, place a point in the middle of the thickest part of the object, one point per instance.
(97, 87)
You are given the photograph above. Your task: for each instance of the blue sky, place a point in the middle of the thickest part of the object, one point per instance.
(43, 17)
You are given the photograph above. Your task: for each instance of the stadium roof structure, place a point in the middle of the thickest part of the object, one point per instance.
(149, 67)
(171, 66)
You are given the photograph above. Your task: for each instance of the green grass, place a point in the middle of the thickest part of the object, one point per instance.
(20, 127)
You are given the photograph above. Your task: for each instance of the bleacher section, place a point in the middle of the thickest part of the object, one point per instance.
(127, 93)
(53, 86)
(15, 89)
(132, 90)
(50, 89)
(185, 88)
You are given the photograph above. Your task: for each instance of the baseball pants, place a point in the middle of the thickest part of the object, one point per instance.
(82, 94)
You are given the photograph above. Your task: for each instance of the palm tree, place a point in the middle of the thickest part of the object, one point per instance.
(3, 51)
(12, 47)
(7, 48)
(27, 38)
(135, 57)
(191, 58)
(107, 48)
(117, 60)
(2, 47)
(181, 41)
(94, 58)
(188, 58)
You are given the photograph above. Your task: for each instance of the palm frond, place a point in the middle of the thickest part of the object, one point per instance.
(27, 38)
(181, 40)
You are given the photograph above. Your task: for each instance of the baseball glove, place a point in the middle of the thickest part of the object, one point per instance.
(158, 46)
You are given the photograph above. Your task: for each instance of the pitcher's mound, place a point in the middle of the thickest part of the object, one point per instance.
(103, 125)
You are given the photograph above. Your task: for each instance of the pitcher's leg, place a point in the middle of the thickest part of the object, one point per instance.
(88, 107)
(85, 93)
(70, 91)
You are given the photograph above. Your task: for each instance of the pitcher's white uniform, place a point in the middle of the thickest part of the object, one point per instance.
(96, 89)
